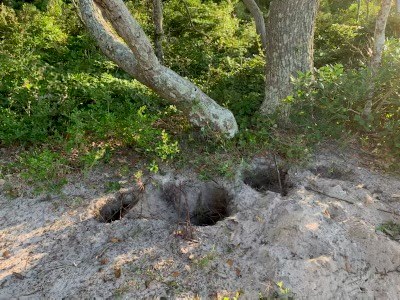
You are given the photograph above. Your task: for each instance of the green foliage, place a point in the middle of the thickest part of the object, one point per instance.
(55, 85)
(336, 43)
(331, 104)
(203, 34)
(225, 84)
(112, 186)
(58, 90)
(33, 93)
(344, 33)
(391, 229)
(45, 168)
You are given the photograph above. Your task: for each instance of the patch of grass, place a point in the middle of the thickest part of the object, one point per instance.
(46, 169)
(391, 229)
(204, 261)
(112, 186)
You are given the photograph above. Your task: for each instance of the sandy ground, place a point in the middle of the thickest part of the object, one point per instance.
(319, 241)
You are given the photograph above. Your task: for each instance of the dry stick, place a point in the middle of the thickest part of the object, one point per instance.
(389, 212)
(188, 234)
(121, 208)
(330, 196)
(103, 251)
(189, 228)
(58, 267)
(347, 201)
(31, 293)
(279, 175)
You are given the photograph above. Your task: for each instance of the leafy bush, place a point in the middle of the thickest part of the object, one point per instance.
(58, 90)
(331, 104)
(57, 86)
(44, 168)
(239, 86)
(200, 35)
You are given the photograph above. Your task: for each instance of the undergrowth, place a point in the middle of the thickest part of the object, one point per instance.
(71, 109)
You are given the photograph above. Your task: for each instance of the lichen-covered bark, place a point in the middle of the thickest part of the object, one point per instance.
(290, 27)
(379, 43)
(123, 40)
(256, 12)
(158, 29)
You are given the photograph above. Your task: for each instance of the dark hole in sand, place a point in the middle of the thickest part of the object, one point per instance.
(212, 210)
(267, 178)
(117, 208)
(202, 205)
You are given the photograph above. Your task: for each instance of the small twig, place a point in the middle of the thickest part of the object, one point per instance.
(389, 212)
(330, 196)
(189, 228)
(102, 252)
(347, 201)
(278, 174)
(385, 273)
(58, 267)
(31, 293)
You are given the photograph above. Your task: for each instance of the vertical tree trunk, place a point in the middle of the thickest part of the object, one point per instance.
(257, 14)
(398, 6)
(290, 28)
(379, 43)
(158, 29)
(122, 39)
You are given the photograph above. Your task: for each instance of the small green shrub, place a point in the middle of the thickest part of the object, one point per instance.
(113, 186)
(391, 229)
(46, 169)
(330, 105)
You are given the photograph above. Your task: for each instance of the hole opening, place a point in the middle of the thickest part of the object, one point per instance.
(116, 209)
(264, 179)
(200, 205)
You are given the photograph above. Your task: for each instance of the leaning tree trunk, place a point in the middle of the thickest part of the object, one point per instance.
(122, 39)
(257, 14)
(158, 29)
(290, 28)
(376, 58)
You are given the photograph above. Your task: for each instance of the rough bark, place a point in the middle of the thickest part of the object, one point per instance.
(122, 39)
(290, 28)
(379, 43)
(158, 29)
(257, 14)
(398, 6)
